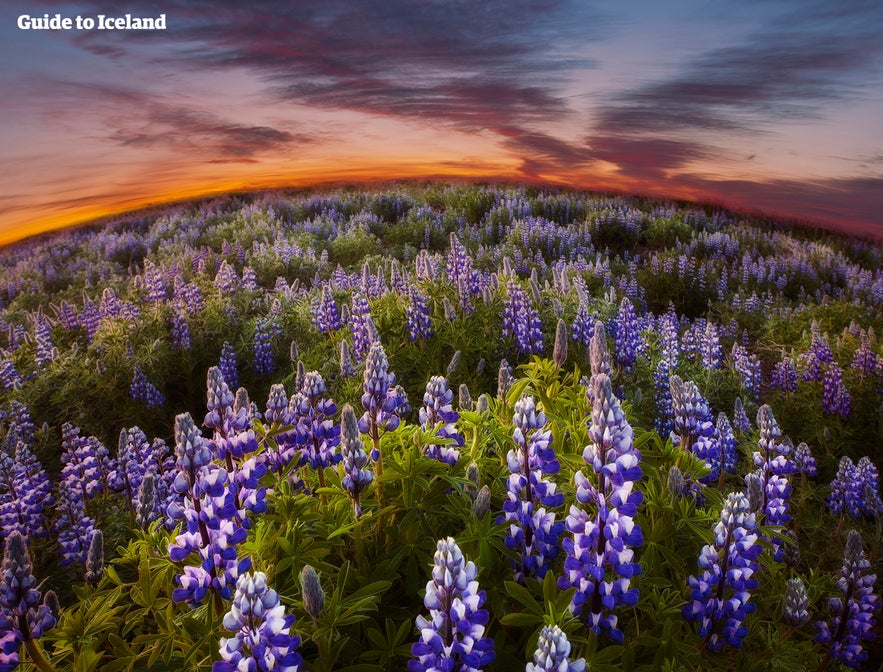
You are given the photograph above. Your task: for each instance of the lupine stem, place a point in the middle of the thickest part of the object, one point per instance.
(37, 658)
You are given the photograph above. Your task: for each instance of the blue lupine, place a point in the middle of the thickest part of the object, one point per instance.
(226, 279)
(846, 490)
(86, 465)
(865, 360)
(741, 423)
(419, 322)
(521, 321)
(144, 391)
(321, 435)
(818, 354)
(10, 378)
(852, 614)
(362, 325)
(532, 529)
(46, 352)
(325, 315)
(583, 327)
(749, 370)
(347, 370)
(600, 559)
(380, 407)
(719, 596)
(552, 653)
(356, 466)
(262, 639)
(694, 429)
(663, 422)
(264, 360)
(25, 491)
(796, 601)
(773, 468)
(669, 344)
(153, 282)
(22, 617)
(211, 528)
(628, 345)
(452, 638)
(836, 399)
(229, 366)
(73, 527)
(179, 331)
(805, 462)
(437, 409)
(869, 475)
(726, 441)
(784, 376)
(710, 347)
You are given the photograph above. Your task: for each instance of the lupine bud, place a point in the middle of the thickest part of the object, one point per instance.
(314, 596)
(791, 550)
(242, 401)
(95, 559)
(754, 492)
(293, 352)
(675, 481)
(299, 376)
(559, 353)
(473, 477)
(483, 404)
(504, 379)
(50, 599)
(599, 357)
(552, 653)
(465, 398)
(482, 502)
(480, 367)
(145, 512)
(453, 364)
(796, 602)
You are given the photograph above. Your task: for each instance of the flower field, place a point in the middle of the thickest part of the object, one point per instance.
(439, 427)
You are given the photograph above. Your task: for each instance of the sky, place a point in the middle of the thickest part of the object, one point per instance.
(773, 107)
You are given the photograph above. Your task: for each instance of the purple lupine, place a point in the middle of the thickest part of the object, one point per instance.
(846, 490)
(46, 352)
(347, 370)
(784, 376)
(10, 378)
(210, 520)
(600, 559)
(264, 360)
(314, 415)
(729, 450)
(865, 360)
(380, 407)
(521, 321)
(73, 527)
(226, 279)
(459, 270)
(25, 491)
(805, 462)
(66, 314)
(85, 465)
(694, 428)
(748, 367)
(144, 391)
(796, 601)
(836, 399)
(710, 350)
(663, 422)
(324, 312)
(229, 366)
(153, 282)
(583, 327)
(773, 467)
(532, 529)
(280, 415)
(452, 638)
(741, 423)
(628, 344)
(22, 617)
(552, 653)
(356, 466)
(852, 615)
(437, 409)
(419, 322)
(719, 596)
(818, 354)
(362, 325)
(179, 331)
(869, 475)
(669, 344)
(262, 639)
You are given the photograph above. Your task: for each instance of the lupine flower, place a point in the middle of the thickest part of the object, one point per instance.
(836, 399)
(748, 367)
(264, 361)
(25, 492)
(663, 422)
(326, 316)
(628, 345)
(319, 437)
(10, 378)
(865, 360)
(262, 639)
(362, 326)
(600, 560)
(726, 442)
(741, 422)
(46, 352)
(710, 347)
(73, 527)
(784, 376)
(521, 321)
(583, 326)
(228, 366)
(796, 601)
(452, 637)
(773, 468)
(180, 331)
(419, 322)
(144, 391)
(379, 406)
(719, 596)
(694, 428)
(22, 617)
(805, 462)
(846, 490)
(853, 614)
(356, 467)
(211, 522)
(532, 529)
(437, 409)
(867, 473)
(552, 653)
(504, 379)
